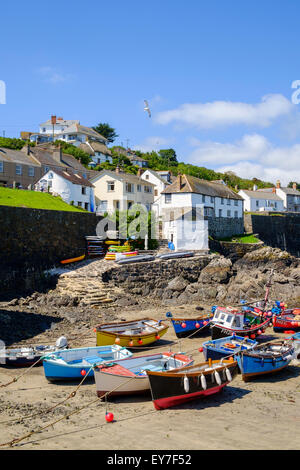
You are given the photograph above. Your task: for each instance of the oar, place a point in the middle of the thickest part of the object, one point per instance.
(154, 327)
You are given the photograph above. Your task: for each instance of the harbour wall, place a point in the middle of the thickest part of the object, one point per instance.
(278, 230)
(32, 240)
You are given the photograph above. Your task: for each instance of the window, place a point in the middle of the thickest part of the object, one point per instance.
(46, 168)
(139, 188)
(44, 129)
(147, 177)
(1, 167)
(257, 203)
(275, 204)
(110, 186)
(117, 204)
(211, 199)
(86, 206)
(30, 171)
(235, 213)
(203, 198)
(228, 202)
(49, 184)
(222, 200)
(236, 203)
(102, 206)
(129, 205)
(83, 190)
(220, 212)
(129, 188)
(228, 213)
(147, 189)
(155, 192)
(79, 204)
(168, 198)
(18, 169)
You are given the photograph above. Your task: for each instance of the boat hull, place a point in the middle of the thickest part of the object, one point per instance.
(190, 326)
(218, 331)
(105, 337)
(168, 390)
(74, 364)
(252, 365)
(282, 323)
(119, 378)
(222, 348)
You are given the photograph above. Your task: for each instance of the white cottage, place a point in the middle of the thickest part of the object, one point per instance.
(259, 201)
(160, 183)
(71, 187)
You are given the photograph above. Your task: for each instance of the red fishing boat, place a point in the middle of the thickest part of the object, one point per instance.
(289, 319)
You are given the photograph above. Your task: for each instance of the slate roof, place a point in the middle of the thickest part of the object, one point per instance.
(73, 178)
(123, 176)
(191, 184)
(261, 195)
(18, 156)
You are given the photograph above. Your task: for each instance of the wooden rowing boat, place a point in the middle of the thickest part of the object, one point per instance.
(129, 376)
(172, 388)
(188, 326)
(131, 333)
(226, 347)
(265, 359)
(72, 364)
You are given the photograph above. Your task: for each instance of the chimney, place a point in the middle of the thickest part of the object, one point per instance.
(140, 172)
(57, 154)
(294, 185)
(179, 180)
(277, 184)
(53, 120)
(117, 170)
(28, 149)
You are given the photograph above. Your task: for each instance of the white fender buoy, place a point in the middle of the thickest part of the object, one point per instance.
(186, 384)
(228, 375)
(203, 382)
(288, 358)
(218, 378)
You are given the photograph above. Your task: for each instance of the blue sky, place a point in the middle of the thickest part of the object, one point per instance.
(217, 75)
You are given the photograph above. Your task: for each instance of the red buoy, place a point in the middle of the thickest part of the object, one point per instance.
(117, 340)
(197, 325)
(183, 325)
(252, 336)
(130, 343)
(83, 372)
(109, 417)
(157, 337)
(200, 349)
(140, 341)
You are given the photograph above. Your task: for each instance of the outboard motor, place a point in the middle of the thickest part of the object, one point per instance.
(61, 342)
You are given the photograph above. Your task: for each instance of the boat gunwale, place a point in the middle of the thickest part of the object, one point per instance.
(133, 335)
(181, 371)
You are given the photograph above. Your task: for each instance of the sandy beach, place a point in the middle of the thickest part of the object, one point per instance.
(261, 414)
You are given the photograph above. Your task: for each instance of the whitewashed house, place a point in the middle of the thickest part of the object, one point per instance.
(289, 196)
(221, 206)
(160, 183)
(71, 187)
(188, 231)
(117, 190)
(259, 201)
(98, 152)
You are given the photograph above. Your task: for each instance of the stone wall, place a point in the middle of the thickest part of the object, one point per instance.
(279, 230)
(32, 240)
(223, 227)
(233, 250)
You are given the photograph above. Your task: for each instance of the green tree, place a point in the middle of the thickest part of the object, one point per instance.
(108, 132)
(168, 156)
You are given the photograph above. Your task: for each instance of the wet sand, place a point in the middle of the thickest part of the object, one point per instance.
(261, 414)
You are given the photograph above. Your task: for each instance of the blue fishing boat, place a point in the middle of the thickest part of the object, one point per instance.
(265, 359)
(295, 338)
(226, 347)
(187, 326)
(72, 364)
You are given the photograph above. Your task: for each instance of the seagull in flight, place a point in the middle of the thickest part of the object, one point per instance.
(146, 107)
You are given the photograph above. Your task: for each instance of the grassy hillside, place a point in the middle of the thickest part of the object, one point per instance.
(34, 200)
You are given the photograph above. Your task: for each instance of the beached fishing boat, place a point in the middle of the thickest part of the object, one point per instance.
(265, 359)
(226, 347)
(70, 364)
(117, 256)
(245, 322)
(295, 339)
(130, 333)
(136, 259)
(177, 254)
(289, 319)
(27, 356)
(172, 388)
(129, 376)
(188, 326)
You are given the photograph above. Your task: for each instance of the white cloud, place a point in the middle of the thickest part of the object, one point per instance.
(252, 156)
(51, 75)
(228, 113)
(153, 143)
